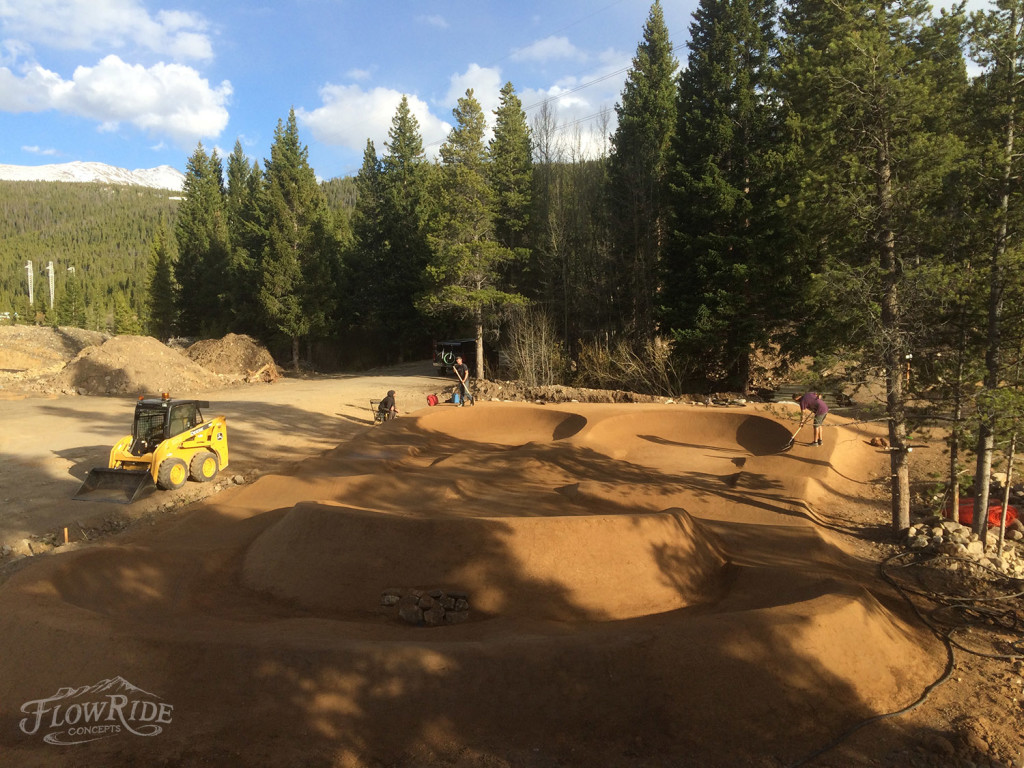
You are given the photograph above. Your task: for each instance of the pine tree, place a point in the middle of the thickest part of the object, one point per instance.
(511, 173)
(246, 239)
(162, 289)
(369, 251)
(636, 174)
(404, 172)
(873, 89)
(70, 308)
(126, 321)
(997, 39)
(467, 261)
(301, 260)
(202, 237)
(727, 281)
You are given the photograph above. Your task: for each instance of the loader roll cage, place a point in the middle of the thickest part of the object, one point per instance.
(158, 419)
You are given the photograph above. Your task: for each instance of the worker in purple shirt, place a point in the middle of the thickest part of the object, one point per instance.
(814, 403)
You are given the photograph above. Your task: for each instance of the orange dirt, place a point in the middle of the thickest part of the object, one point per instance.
(648, 585)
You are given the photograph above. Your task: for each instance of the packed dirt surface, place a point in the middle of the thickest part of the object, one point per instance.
(503, 585)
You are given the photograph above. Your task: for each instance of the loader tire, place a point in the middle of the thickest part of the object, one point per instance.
(173, 474)
(203, 466)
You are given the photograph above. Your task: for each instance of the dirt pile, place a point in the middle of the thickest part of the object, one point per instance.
(39, 360)
(30, 356)
(134, 365)
(236, 356)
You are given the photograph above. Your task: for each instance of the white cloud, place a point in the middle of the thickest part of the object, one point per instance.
(349, 116)
(435, 21)
(104, 25)
(486, 83)
(35, 150)
(547, 49)
(163, 100)
(359, 74)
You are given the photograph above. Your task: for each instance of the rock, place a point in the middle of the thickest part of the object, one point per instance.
(939, 745)
(409, 609)
(918, 542)
(22, 547)
(975, 742)
(975, 547)
(456, 617)
(434, 616)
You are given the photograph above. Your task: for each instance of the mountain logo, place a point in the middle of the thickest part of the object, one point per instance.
(107, 708)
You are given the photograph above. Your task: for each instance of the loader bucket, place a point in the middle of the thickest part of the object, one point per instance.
(121, 486)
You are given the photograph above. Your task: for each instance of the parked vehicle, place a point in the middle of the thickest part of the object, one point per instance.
(446, 351)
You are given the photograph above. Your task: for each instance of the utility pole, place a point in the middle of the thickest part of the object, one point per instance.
(49, 272)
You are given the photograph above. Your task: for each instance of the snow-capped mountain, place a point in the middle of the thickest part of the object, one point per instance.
(162, 177)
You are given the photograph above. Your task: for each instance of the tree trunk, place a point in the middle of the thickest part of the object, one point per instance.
(894, 354)
(295, 353)
(956, 435)
(1006, 491)
(479, 344)
(997, 277)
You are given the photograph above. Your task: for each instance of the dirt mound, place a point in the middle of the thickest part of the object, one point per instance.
(554, 582)
(135, 365)
(31, 355)
(29, 347)
(235, 355)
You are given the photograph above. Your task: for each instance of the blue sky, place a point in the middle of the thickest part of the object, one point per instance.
(137, 83)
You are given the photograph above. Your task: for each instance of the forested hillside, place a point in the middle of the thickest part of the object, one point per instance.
(103, 232)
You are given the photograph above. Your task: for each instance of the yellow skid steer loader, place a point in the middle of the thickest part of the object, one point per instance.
(170, 443)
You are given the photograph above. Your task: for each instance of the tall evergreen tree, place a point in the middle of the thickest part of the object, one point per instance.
(300, 261)
(873, 88)
(246, 239)
(467, 262)
(727, 283)
(404, 174)
(997, 41)
(370, 247)
(202, 236)
(511, 173)
(70, 308)
(161, 287)
(126, 321)
(636, 175)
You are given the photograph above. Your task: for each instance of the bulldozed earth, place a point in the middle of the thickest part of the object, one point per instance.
(550, 577)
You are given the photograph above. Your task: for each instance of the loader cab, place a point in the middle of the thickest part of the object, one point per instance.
(157, 419)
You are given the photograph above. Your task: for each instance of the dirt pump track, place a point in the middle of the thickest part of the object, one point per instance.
(649, 585)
